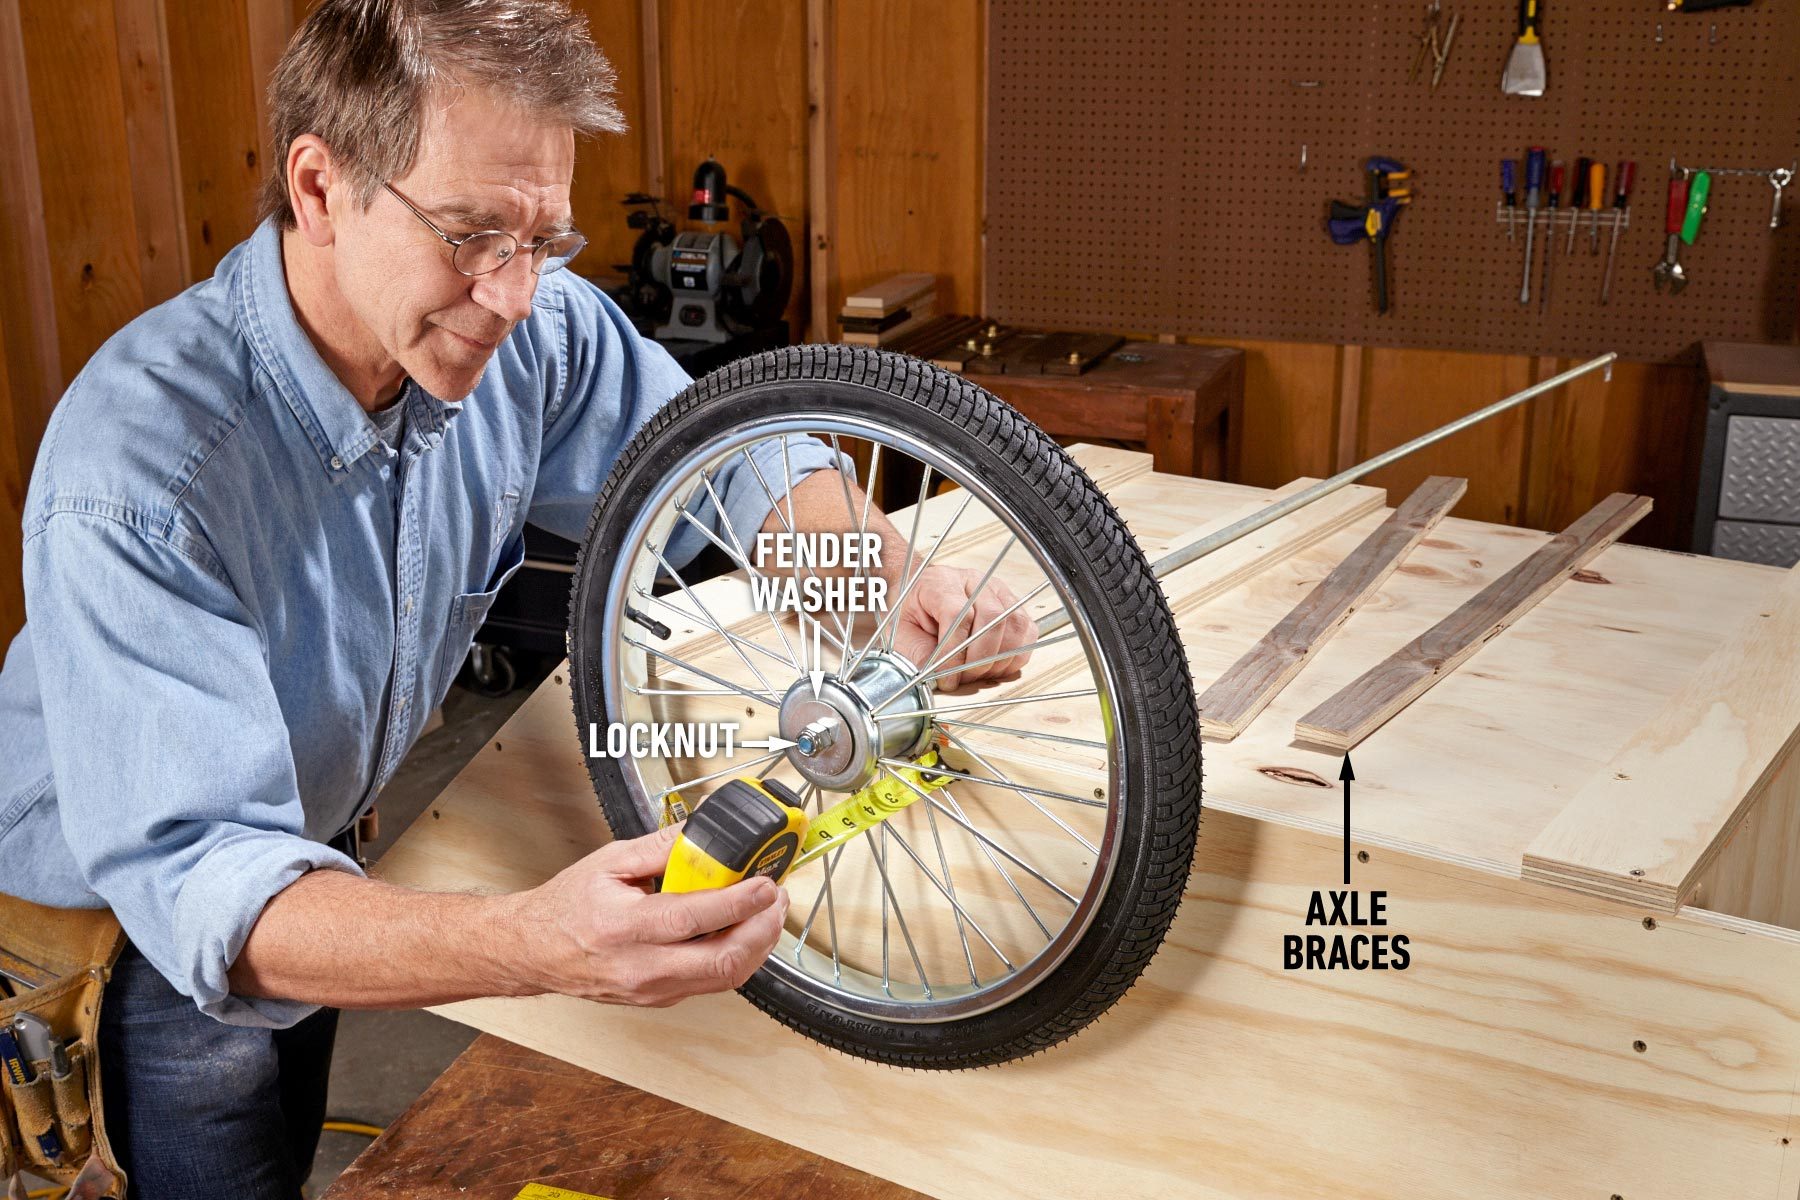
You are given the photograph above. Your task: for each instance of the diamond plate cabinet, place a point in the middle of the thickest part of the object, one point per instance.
(1748, 503)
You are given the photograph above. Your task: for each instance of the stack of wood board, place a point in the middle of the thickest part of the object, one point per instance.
(1586, 1028)
(890, 310)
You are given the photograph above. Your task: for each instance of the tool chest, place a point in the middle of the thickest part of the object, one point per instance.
(1747, 503)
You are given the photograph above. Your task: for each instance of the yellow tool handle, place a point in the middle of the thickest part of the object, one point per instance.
(1597, 186)
(1528, 19)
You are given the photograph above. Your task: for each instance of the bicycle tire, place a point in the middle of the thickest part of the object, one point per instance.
(1118, 595)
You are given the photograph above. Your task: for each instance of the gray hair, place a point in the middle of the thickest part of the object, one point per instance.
(358, 72)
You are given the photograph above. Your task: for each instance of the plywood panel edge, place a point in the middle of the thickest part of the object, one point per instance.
(1755, 871)
(1649, 824)
(1618, 1019)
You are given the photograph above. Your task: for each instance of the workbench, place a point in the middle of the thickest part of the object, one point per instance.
(502, 1116)
(1185, 403)
(1588, 832)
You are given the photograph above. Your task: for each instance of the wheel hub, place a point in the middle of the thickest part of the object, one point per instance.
(839, 735)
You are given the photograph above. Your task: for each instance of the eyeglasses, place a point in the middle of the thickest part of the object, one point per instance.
(491, 249)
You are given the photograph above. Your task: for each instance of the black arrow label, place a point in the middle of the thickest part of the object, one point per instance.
(1346, 774)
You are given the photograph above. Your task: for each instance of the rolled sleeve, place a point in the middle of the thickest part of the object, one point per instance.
(616, 381)
(176, 786)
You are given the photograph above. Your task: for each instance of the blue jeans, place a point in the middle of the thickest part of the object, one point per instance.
(198, 1108)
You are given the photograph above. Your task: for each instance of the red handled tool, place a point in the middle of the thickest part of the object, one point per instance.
(1556, 183)
(1621, 205)
(1663, 271)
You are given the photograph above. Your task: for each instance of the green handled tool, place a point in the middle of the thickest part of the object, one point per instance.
(1698, 190)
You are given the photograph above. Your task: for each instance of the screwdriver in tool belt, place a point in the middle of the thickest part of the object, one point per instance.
(1578, 199)
(19, 1074)
(1596, 198)
(1621, 201)
(1554, 197)
(1509, 188)
(1534, 186)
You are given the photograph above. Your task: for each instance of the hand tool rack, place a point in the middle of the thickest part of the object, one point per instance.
(1116, 128)
(1776, 177)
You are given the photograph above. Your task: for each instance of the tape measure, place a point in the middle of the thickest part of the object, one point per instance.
(543, 1191)
(758, 827)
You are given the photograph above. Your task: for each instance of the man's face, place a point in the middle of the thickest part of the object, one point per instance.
(481, 164)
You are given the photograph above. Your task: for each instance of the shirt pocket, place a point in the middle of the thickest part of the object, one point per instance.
(470, 609)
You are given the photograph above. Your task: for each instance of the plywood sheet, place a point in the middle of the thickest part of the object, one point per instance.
(1505, 1053)
(1645, 827)
(1542, 1042)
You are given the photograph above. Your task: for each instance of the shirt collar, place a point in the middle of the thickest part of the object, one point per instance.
(335, 424)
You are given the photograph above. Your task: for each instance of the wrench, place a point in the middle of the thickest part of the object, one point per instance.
(1779, 178)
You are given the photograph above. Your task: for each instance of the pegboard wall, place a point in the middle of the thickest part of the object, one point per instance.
(1145, 172)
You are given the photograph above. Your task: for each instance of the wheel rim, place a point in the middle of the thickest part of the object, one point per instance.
(977, 891)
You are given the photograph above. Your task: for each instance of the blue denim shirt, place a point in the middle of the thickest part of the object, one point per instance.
(242, 603)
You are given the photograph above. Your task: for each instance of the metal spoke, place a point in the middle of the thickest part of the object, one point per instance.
(726, 633)
(1001, 702)
(944, 862)
(960, 913)
(1011, 541)
(869, 487)
(984, 839)
(824, 895)
(1027, 733)
(750, 461)
(1027, 648)
(893, 611)
(906, 567)
(1030, 794)
(771, 700)
(997, 865)
(742, 558)
(888, 890)
(861, 569)
(932, 663)
(711, 621)
(731, 770)
(744, 563)
(741, 561)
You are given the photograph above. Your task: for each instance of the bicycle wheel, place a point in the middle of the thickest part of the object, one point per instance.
(1037, 856)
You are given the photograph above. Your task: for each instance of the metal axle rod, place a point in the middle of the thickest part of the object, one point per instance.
(1176, 559)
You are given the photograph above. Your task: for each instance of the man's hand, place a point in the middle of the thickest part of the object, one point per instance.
(606, 936)
(935, 601)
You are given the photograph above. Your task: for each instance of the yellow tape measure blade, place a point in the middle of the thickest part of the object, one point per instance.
(543, 1191)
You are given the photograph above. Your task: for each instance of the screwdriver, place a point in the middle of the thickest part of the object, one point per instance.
(1621, 198)
(1556, 182)
(1596, 197)
(1509, 187)
(1534, 186)
(1578, 199)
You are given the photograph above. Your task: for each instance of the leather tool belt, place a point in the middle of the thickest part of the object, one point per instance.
(55, 963)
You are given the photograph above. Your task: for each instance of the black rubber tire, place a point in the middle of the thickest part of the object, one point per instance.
(1159, 729)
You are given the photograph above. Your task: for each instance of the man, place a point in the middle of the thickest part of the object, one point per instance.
(264, 523)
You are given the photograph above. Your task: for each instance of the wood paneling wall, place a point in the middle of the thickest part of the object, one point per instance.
(133, 136)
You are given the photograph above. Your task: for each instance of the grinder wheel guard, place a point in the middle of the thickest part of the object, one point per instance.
(1038, 830)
